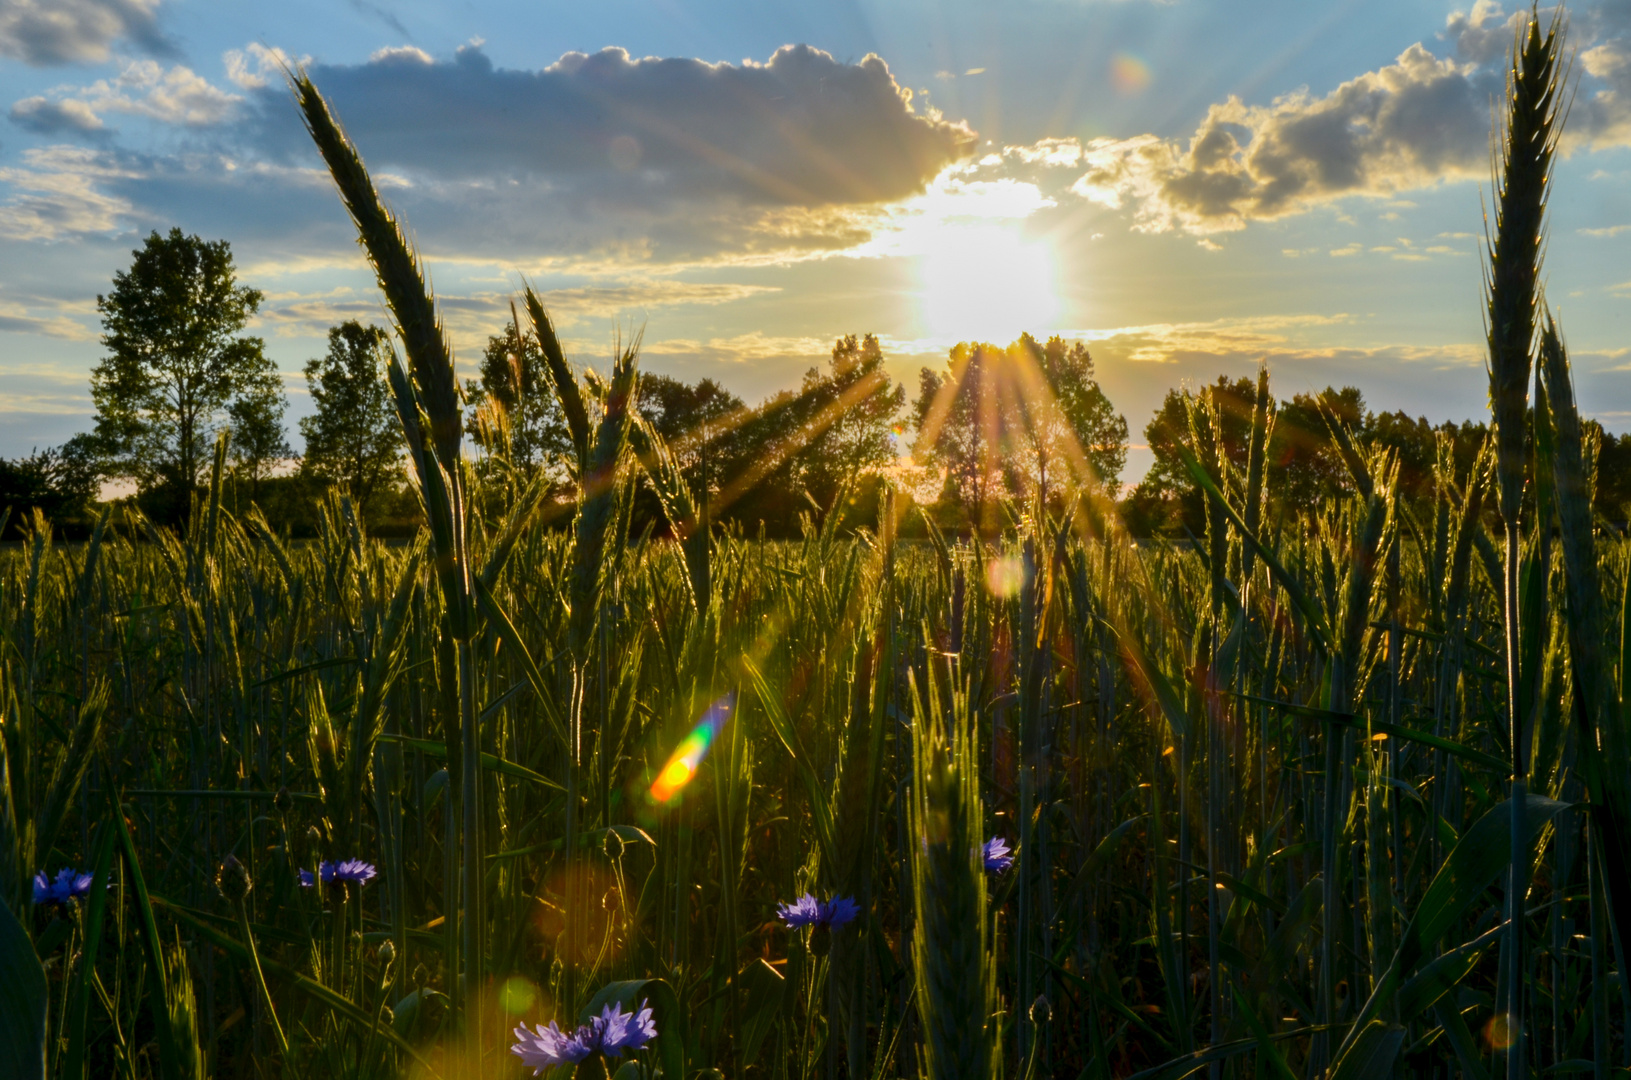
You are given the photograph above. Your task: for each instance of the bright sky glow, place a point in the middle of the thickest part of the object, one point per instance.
(985, 283)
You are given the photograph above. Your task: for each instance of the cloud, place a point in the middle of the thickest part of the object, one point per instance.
(800, 130)
(45, 117)
(596, 162)
(175, 95)
(57, 191)
(1417, 122)
(254, 66)
(43, 32)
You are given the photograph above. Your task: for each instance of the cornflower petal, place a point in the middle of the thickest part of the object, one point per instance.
(547, 1046)
(838, 911)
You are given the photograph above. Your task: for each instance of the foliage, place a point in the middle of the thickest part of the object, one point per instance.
(1016, 421)
(59, 482)
(176, 361)
(526, 427)
(353, 439)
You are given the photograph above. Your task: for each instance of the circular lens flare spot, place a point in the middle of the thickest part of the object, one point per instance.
(1004, 576)
(1129, 74)
(517, 995)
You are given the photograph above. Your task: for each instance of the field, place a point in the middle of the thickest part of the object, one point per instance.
(1344, 795)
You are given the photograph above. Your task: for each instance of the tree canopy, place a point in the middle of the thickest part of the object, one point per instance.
(1016, 421)
(176, 360)
(354, 439)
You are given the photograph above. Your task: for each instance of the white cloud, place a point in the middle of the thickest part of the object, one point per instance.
(46, 117)
(251, 67)
(1419, 121)
(42, 32)
(145, 88)
(56, 193)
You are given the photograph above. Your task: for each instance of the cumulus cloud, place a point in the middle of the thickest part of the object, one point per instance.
(1419, 121)
(254, 67)
(175, 95)
(802, 129)
(43, 32)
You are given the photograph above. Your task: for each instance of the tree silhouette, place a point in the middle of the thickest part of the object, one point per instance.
(354, 439)
(176, 362)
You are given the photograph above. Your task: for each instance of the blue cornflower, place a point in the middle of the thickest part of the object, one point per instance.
(808, 911)
(347, 872)
(609, 1034)
(997, 855)
(69, 884)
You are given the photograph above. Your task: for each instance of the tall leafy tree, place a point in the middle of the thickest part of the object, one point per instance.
(259, 440)
(848, 413)
(177, 359)
(1010, 421)
(354, 439)
(1070, 425)
(699, 422)
(527, 425)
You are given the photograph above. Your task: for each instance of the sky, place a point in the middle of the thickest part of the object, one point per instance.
(1191, 187)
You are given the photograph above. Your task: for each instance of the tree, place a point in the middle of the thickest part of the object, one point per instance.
(176, 360)
(1068, 420)
(1015, 421)
(848, 414)
(699, 422)
(259, 441)
(1167, 498)
(354, 439)
(60, 483)
(529, 429)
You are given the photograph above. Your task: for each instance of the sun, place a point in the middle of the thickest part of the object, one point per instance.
(986, 282)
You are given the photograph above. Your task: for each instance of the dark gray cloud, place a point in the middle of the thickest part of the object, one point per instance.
(802, 129)
(45, 32)
(595, 159)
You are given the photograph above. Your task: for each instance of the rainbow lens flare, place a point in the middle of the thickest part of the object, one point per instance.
(1128, 73)
(688, 755)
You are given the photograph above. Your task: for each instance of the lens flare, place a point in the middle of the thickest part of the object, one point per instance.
(688, 755)
(1128, 74)
(1004, 576)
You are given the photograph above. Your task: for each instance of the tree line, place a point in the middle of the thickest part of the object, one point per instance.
(992, 430)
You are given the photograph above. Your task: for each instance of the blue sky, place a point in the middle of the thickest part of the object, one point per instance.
(1192, 186)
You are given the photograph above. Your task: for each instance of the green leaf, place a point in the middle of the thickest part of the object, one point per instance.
(96, 905)
(491, 762)
(820, 806)
(1372, 1054)
(342, 1005)
(1382, 727)
(1293, 589)
(665, 1013)
(22, 1003)
(1482, 853)
(1266, 1049)
(762, 988)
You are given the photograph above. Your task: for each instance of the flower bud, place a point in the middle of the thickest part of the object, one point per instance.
(283, 802)
(1041, 1011)
(387, 952)
(613, 845)
(233, 880)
